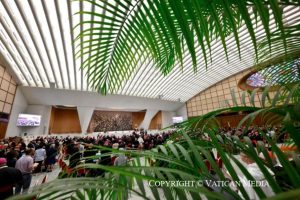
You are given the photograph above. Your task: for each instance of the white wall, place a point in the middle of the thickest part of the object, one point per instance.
(40, 100)
(45, 112)
(19, 106)
(168, 115)
(167, 118)
(182, 111)
(48, 96)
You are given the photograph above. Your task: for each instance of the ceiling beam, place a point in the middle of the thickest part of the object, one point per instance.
(53, 41)
(56, 4)
(43, 41)
(72, 38)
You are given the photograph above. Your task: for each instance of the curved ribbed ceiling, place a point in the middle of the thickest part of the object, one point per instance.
(36, 41)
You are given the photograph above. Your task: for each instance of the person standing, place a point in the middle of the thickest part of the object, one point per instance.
(9, 177)
(39, 157)
(11, 157)
(26, 165)
(51, 157)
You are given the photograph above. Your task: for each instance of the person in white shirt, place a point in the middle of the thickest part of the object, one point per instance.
(140, 139)
(39, 157)
(141, 143)
(81, 147)
(257, 174)
(121, 160)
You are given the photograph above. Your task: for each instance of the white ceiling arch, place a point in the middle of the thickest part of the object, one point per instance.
(36, 42)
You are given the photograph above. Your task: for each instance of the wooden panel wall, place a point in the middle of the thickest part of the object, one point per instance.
(137, 119)
(7, 90)
(215, 96)
(234, 119)
(64, 121)
(156, 121)
(3, 127)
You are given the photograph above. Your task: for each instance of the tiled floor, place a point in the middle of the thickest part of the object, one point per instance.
(37, 178)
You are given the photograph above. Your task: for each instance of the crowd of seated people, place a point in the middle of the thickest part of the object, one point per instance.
(83, 149)
(42, 153)
(19, 160)
(255, 134)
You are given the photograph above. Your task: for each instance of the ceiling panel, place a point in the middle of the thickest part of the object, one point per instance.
(36, 41)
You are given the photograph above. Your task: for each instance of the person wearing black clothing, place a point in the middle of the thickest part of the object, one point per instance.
(104, 160)
(9, 177)
(89, 152)
(136, 144)
(51, 153)
(31, 145)
(11, 158)
(75, 157)
(2, 154)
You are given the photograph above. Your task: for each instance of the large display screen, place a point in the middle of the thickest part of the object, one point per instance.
(177, 120)
(28, 120)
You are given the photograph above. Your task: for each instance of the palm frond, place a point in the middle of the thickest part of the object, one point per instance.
(284, 50)
(129, 33)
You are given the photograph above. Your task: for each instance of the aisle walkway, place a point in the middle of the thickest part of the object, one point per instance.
(37, 178)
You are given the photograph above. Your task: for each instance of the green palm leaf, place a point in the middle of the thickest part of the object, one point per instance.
(129, 33)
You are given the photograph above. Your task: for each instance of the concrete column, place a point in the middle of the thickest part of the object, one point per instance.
(85, 115)
(147, 119)
(19, 106)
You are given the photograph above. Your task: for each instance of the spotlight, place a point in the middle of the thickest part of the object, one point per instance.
(52, 85)
(160, 96)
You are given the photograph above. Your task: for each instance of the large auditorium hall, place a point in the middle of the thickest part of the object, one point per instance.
(149, 99)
